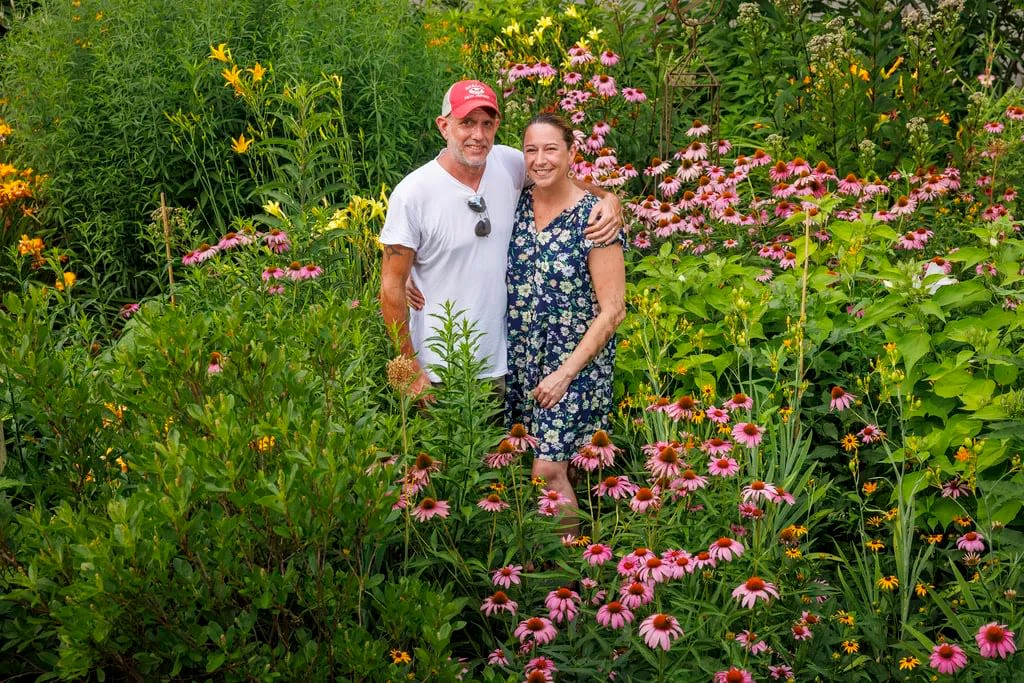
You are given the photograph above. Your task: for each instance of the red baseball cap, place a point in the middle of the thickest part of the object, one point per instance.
(465, 96)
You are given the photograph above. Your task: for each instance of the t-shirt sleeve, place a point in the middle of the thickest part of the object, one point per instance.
(401, 224)
(513, 161)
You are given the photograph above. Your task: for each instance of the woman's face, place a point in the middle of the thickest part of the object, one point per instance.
(547, 154)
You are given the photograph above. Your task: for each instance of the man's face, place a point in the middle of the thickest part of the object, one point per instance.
(470, 139)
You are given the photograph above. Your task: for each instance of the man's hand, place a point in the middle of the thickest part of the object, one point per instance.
(605, 219)
(552, 388)
(420, 389)
(414, 295)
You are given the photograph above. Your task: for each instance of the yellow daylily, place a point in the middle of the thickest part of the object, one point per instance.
(512, 29)
(545, 22)
(241, 144)
(257, 72)
(233, 76)
(221, 53)
(594, 33)
(892, 69)
(274, 209)
(66, 281)
(572, 12)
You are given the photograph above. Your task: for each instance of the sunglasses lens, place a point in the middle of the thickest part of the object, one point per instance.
(483, 227)
(476, 203)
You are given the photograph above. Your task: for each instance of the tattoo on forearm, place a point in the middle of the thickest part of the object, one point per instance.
(395, 250)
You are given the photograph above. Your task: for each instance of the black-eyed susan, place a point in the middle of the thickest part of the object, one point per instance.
(909, 663)
(851, 647)
(875, 545)
(888, 583)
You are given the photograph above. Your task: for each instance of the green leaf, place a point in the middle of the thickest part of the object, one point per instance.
(912, 346)
(214, 661)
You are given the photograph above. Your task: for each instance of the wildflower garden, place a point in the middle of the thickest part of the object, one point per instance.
(209, 470)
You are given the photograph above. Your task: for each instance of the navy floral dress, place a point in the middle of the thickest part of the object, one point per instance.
(551, 303)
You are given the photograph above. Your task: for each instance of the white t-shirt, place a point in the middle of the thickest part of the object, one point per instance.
(428, 212)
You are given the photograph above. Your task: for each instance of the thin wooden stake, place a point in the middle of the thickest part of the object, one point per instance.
(167, 243)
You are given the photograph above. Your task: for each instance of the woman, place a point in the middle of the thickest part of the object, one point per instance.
(565, 300)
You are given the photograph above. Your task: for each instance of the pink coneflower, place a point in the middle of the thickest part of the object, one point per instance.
(680, 563)
(504, 456)
(788, 260)
(572, 77)
(233, 239)
(204, 252)
(766, 275)
(739, 401)
(800, 631)
(614, 615)
(634, 95)
(506, 576)
(537, 675)
(724, 549)
(603, 447)
(781, 495)
(750, 643)
(669, 185)
(841, 399)
(604, 85)
(870, 434)
(539, 630)
(429, 508)
(988, 269)
(659, 630)
(689, 481)
(947, 658)
(758, 489)
(597, 554)
(645, 499)
(653, 570)
(908, 241)
(717, 415)
(562, 603)
(274, 290)
(636, 594)
(657, 167)
(683, 407)
(579, 55)
(665, 464)
(277, 240)
(617, 487)
(586, 459)
(994, 640)
(128, 310)
(551, 502)
(781, 671)
(422, 467)
(754, 588)
(609, 58)
(955, 487)
(993, 127)
(272, 273)
(748, 434)
(760, 158)
(703, 559)
(499, 602)
(492, 502)
(715, 446)
(309, 271)
(696, 151)
(541, 664)
(216, 362)
(520, 439)
(750, 511)
(518, 71)
(903, 206)
(733, 675)
(971, 542)
(723, 467)
(544, 70)
(628, 566)
(724, 147)
(497, 658)
(698, 129)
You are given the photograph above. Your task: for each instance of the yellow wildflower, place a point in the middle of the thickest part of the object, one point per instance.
(257, 72)
(571, 12)
(793, 553)
(511, 29)
(233, 76)
(892, 69)
(874, 520)
(850, 443)
(538, 481)
(274, 209)
(124, 465)
(869, 487)
(943, 117)
(962, 454)
(66, 281)
(909, 663)
(545, 22)
(932, 539)
(594, 33)
(221, 53)
(845, 618)
(888, 583)
(400, 657)
(497, 487)
(875, 545)
(921, 588)
(785, 412)
(30, 246)
(851, 646)
(241, 144)
(963, 521)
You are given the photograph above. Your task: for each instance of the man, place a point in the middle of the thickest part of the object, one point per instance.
(448, 225)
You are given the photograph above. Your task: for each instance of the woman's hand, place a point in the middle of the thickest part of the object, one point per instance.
(552, 388)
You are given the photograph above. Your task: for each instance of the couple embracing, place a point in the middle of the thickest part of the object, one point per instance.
(531, 256)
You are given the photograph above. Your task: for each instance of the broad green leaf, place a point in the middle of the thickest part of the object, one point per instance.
(912, 346)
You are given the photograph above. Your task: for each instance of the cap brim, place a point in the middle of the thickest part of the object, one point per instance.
(464, 108)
